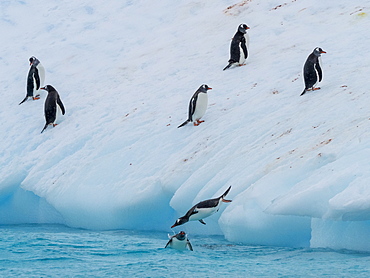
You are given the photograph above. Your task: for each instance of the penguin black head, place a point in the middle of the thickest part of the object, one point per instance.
(318, 51)
(33, 60)
(48, 88)
(180, 221)
(181, 235)
(205, 88)
(243, 28)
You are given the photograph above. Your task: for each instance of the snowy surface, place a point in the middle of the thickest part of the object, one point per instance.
(125, 71)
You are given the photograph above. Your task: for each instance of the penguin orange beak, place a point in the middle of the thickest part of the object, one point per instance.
(323, 51)
(209, 88)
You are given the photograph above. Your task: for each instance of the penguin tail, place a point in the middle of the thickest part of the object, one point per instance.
(304, 91)
(184, 123)
(46, 125)
(224, 195)
(23, 100)
(229, 65)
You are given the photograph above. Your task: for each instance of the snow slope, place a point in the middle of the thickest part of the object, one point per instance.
(298, 166)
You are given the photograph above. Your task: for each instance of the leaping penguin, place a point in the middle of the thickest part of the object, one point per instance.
(52, 104)
(312, 72)
(197, 106)
(35, 79)
(239, 47)
(202, 210)
(179, 241)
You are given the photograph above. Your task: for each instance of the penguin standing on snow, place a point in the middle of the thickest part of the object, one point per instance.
(197, 106)
(52, 104)
(312, 72)
(35, 79)
(239, 47)
(203, 209)
(179, 241)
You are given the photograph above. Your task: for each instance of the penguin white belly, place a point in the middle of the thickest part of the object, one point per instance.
(35, 91)
(178, 244)
(242, 56)
(41, 71)
(203, 213)
(201, 106)
(57, 114)
(317, 78)
(246, 36)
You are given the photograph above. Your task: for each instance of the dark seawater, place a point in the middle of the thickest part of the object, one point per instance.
(59, 251)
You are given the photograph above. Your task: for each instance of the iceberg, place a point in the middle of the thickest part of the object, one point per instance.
(298, 165)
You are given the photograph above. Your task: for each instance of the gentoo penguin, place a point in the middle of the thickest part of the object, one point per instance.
(239, 47)
(52, 104)
(35, 79)
(179, 241)
(202, 210)
(312, 72)
(197, 106)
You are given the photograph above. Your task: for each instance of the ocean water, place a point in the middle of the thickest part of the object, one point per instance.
(59, 251)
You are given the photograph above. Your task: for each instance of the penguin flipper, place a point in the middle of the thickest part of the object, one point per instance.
(304, 91)
(202, 221)
(184, 123)
(168, 243)
(60, 103)
(37, 78)
(189, 245)
(23, 100)
(319, 71)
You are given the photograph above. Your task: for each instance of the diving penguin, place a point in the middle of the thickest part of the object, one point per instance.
(35, 79)
(312, 72)
(179, 241)
(197, 106)
(239, 47)
(202, 210)
(52, 104)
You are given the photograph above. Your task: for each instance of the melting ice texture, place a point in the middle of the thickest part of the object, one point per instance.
(298, 166)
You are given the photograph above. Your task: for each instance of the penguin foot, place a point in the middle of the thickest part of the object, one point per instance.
(240, 65)
(198, 122)
(36, 97)
(314, 89)
(54, 125)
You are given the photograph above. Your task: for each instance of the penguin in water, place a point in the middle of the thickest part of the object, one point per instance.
(312, 72)
(35, 79)
(52, 104)
(197, 106)
(179, 241)
(239, 47)
(202, 210)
